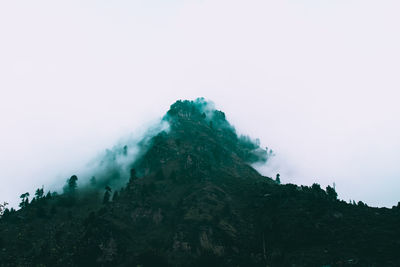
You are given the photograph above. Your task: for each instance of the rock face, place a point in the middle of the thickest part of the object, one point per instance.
(194, 199)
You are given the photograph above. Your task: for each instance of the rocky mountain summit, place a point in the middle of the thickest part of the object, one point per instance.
(190, 197)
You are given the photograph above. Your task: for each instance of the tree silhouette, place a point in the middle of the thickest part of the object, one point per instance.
(361, 204)
(278, 179)
(39, 193)
(3, 208)
(107, 195)
(72, 184)
(331, 192)
(24, 200)
(316, 187)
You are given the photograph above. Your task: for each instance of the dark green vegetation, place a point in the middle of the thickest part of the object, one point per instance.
(192, 199)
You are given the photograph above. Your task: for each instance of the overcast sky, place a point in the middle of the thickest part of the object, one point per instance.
(317, 81)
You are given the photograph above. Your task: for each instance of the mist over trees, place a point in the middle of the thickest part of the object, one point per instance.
(107, 195)
(190, 197)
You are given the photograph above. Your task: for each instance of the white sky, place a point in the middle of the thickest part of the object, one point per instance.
(317, 81)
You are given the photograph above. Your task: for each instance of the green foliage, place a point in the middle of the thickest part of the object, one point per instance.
(188, 116)
(278, 179)
(197, 202)
(316, 187)
(24, 200)
(331, 192)
(132, 176)
(361, 204)
(3, 208)
(40, 212)
(160, 174)
(39, 193)
(115, 196)
(107, 195)
(72, 183)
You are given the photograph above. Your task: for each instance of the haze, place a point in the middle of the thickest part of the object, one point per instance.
(316, 81)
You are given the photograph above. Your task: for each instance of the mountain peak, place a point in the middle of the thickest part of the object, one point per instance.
(198, 109)
(200, 137)
(195, 200)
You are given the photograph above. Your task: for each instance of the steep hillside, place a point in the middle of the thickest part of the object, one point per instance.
(191, 197)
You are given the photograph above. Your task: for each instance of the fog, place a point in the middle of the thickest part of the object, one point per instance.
(316, 81)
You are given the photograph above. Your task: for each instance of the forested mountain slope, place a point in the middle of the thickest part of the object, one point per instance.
(191, 198)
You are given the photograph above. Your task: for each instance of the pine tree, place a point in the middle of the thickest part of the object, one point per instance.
(331, 192)
(72, 182)
(39, 193)
(3, 208)
(71, 185)
(24, 200)
(107, 195)
(278, 179)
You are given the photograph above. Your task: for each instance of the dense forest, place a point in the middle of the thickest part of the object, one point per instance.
(190, 197)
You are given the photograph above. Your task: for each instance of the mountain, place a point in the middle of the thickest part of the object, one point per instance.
(191, 198)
